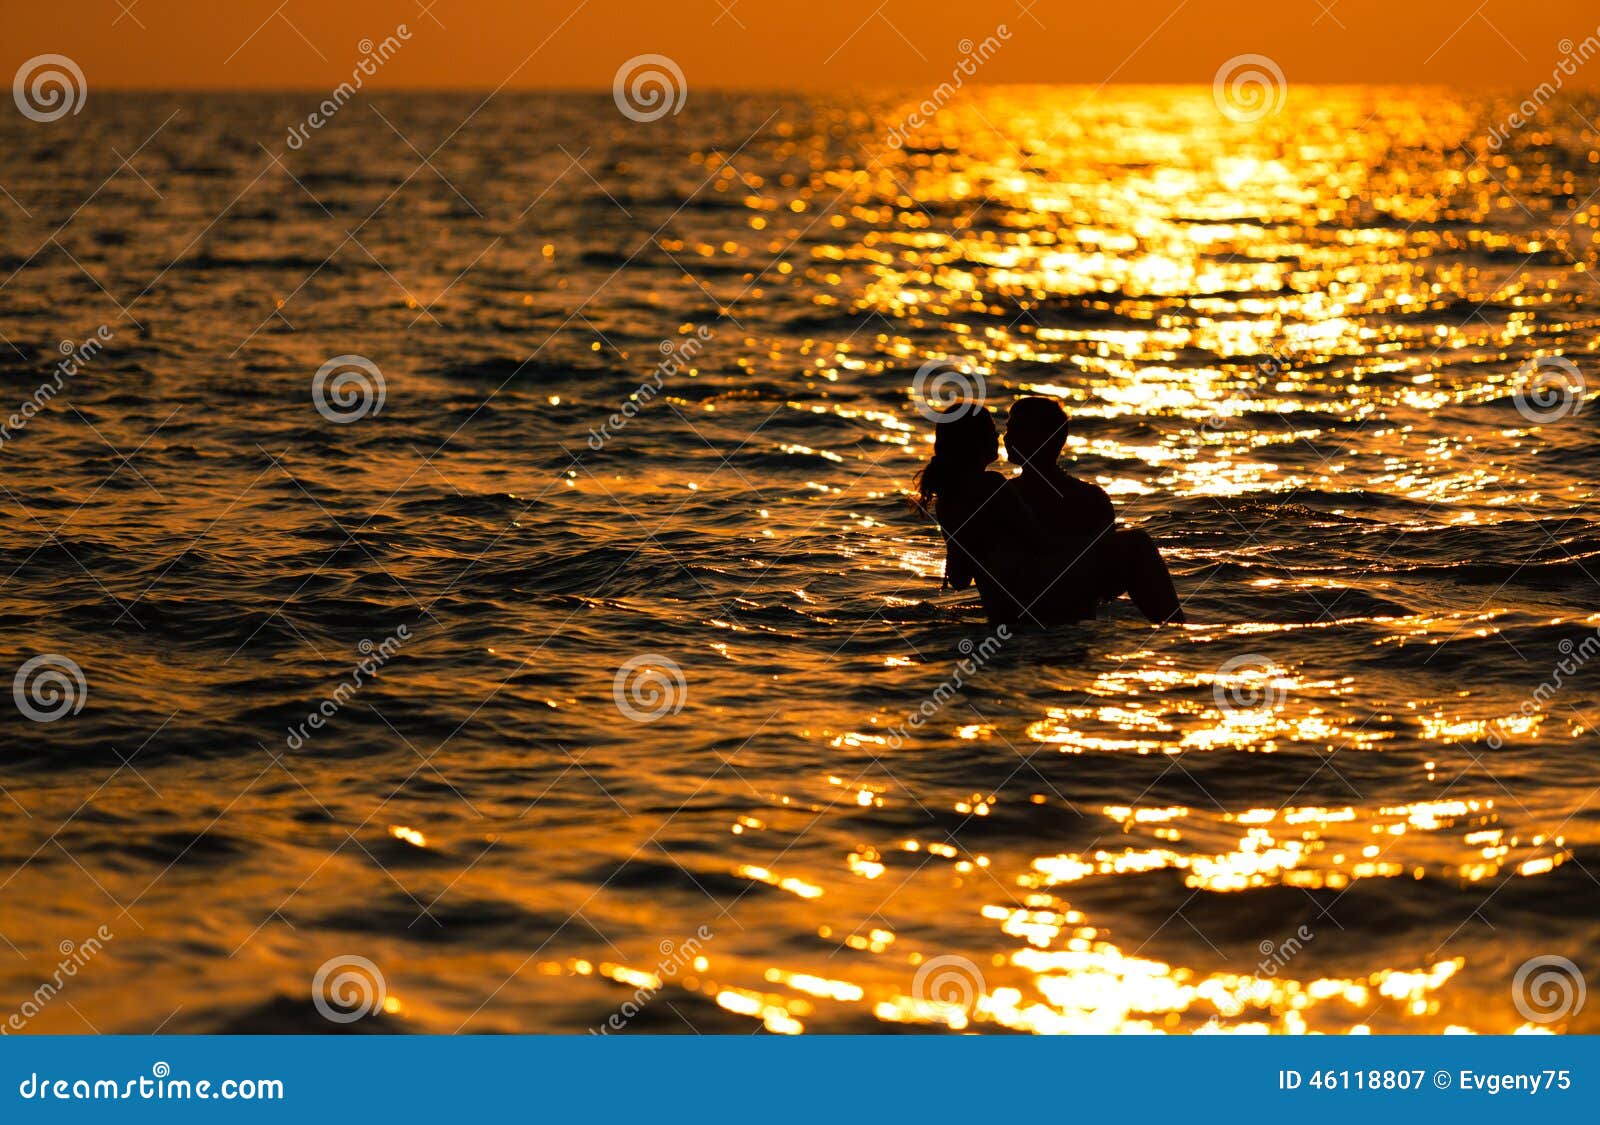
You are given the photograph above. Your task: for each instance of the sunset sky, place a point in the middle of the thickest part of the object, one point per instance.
(246, 44)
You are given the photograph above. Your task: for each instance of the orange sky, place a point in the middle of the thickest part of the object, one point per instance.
(1512, 44)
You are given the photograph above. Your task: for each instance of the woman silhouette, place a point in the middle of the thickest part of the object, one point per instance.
(978, 517)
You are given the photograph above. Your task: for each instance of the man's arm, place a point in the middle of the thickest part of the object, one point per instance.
(1105, 513)
(1091, 505)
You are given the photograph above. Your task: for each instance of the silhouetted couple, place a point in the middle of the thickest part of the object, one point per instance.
(1043, 546)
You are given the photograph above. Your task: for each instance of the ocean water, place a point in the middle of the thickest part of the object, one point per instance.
(462, 707)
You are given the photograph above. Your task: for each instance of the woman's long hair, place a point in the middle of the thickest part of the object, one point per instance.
(963, 443)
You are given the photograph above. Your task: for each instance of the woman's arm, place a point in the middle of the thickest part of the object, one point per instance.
(958, 567)
(973, 523)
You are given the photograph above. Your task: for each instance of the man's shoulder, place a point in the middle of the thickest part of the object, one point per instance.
(1085, 487)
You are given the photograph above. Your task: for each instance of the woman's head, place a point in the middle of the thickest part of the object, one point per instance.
(965, 442)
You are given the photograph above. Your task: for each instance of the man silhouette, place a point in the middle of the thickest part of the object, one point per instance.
(1073, 522)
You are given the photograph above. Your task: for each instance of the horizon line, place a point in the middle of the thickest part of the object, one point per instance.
(1198, 84)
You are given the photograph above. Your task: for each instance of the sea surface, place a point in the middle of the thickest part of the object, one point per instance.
(422, 695)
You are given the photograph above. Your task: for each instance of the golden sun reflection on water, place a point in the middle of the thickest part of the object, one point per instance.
(1274, 343)
(1072, 975)
(1288, 350)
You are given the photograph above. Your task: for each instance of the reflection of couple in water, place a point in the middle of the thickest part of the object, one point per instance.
(1043, 546)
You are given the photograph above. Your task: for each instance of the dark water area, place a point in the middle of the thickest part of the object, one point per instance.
(449, 673)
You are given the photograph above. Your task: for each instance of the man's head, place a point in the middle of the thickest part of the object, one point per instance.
(1036, 432)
